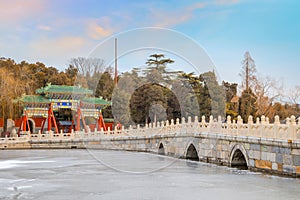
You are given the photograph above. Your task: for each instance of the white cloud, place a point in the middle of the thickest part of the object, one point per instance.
(226, 2)
(197, 6)
(168, 19)
(44, 28)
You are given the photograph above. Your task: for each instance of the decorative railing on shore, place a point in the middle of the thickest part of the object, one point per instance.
(261, 128)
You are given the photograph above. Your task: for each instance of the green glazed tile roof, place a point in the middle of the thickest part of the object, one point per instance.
(41, 99)
(96, 101)
(63, 89)
(33, 99)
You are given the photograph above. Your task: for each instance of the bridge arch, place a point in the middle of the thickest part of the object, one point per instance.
(239, 157)
(191, 152)
(161, 149)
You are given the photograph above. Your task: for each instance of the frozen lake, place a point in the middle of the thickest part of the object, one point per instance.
(97, 174)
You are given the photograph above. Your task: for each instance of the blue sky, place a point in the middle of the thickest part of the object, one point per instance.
(55, 31)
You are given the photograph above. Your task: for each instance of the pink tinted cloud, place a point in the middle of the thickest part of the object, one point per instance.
(99, 28)
(57, 51)
(58, 46)
(13, 11)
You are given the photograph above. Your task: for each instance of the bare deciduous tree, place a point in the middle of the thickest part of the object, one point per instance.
(88, 66)
(293, 95)
(267, 91)
(9, 91)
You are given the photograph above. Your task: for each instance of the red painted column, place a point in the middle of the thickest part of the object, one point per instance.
(78, 114)
(101, 122)
(49, 118)
(43, 124)
(24, 122)
(54, 121)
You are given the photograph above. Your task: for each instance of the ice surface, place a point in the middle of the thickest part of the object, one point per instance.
(97, 174)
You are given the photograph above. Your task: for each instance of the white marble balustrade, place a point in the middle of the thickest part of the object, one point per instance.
(261, 128)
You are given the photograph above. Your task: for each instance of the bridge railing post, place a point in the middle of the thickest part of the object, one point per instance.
(219, 125)
(116, 132)
(293, 128)
(101, 133)
(50, 134)
(275, 128)
(6, 139)
(287, 129)
(226, 128)
(249, 126)
(39, 135)
(189, 125)
(61, 135)
(203, 125)
(263, 127)
(123, 131)
(167, 127)
(210, 123)
(149, 129)
(239, 124)
(72, 134)
(162, 128)
(181, 128)
(259, 129)
(297, 130)
(195, 125)
(171, 126)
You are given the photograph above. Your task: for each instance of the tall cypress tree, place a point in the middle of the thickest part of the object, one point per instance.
(247, 104)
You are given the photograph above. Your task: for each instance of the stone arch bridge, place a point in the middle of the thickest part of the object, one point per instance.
(258, 146)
